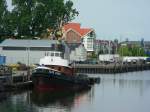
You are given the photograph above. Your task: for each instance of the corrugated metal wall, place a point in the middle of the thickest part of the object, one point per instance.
(25, 57)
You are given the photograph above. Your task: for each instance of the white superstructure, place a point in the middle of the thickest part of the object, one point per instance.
(54, 58)
(130, 59)
(108, 57)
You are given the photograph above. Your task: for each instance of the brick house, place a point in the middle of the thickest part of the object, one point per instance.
(74, 34)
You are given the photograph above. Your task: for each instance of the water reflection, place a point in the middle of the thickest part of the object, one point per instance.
(137, 83)
(63, 98)
(116, 93)
(33, 101)
(127, 92)
(57, 100)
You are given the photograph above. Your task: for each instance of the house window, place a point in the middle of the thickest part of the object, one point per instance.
(89, 40)
(74, 39)
(89, 46)
(92, 34)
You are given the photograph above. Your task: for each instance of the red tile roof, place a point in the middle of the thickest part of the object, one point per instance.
(77, 28)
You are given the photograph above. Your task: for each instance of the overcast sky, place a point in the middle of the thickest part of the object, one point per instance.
(116, 18)
(112, 19)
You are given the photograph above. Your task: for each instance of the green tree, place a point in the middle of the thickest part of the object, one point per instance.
(124, 51)
(131, 51)
(3, 12)
(138, 51)
(22, 17)
(33, 17)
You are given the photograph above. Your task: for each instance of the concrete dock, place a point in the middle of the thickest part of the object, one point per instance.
(109, 68)
(10, 80)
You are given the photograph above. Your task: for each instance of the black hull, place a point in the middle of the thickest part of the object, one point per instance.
(47, 81)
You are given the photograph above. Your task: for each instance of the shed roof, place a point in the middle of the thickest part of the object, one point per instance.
(27, 43)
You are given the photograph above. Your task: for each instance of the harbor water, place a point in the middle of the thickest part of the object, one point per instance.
(126, 92)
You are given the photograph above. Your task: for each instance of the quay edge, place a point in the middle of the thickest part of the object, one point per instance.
(109, 68)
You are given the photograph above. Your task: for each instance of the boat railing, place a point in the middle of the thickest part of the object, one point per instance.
(41, 71)
(46, 71)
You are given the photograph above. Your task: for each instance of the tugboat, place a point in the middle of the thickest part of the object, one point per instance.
(54, 73)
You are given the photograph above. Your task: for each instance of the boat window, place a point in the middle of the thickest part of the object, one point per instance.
(42, 70)
(52, 54)
(56, 54)
(61, 55)
(57, 73)
(46, 71)
(38, 70)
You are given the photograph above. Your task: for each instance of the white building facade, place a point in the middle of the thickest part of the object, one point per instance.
(79, 54)
(27, 51)
(89, 41)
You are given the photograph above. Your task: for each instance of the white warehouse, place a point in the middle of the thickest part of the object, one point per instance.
(29, 51)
